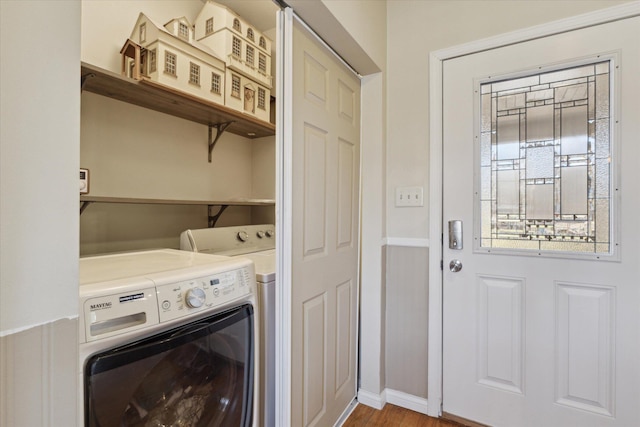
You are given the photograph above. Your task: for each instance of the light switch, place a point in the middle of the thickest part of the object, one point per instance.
(409, 196)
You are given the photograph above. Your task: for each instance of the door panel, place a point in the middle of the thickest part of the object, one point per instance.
(541, 325)
(325, 216)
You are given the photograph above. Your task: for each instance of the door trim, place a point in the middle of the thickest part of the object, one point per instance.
(436, 59)
(284, 224)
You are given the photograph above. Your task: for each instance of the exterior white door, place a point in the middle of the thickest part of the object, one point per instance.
(541, 149)
(324, 239)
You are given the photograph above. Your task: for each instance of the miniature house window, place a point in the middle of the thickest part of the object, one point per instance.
(194, 74)
(262, 63)
(236, 47)
(236, 25)
(183, 31)
(250, 58)
(263, 43)
(152, 61)
(215, 83)
(250, 35)
(170, 63)
(261, 98)
(143, 32)
(235, 86)
(209, 26)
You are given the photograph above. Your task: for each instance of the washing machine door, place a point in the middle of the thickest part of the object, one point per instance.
(201, 374)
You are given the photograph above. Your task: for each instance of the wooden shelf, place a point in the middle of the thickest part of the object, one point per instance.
(140, 201)
(158, 97)
(222, 205)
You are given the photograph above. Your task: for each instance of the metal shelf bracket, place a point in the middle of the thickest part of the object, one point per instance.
(84, 206)
(213, 218)
(84, 78)
(220, 128)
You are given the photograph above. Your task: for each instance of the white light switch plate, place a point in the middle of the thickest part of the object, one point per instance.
(409, 196)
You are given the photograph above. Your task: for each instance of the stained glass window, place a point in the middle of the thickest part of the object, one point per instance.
(545, 161)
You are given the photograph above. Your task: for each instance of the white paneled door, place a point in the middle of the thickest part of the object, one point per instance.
(541, 149)
(325, 165)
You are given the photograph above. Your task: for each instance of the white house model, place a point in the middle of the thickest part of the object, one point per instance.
(221, 58)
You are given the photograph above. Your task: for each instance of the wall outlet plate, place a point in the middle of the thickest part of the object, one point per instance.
(409, 196)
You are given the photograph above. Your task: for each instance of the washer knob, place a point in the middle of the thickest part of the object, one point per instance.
(243, 236)
(195, 297)
(269, 233)
(260, 234)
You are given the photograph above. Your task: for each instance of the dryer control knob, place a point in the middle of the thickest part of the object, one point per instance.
(260, 234)
(269, 233)
(243, 236)
(195, 297)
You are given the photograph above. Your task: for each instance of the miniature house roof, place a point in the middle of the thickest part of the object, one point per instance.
(164, 30)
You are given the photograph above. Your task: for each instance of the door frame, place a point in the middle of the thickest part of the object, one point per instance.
(436, 60)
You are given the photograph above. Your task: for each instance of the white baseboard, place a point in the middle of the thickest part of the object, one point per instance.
(376, 401)
(405, 400)
(399, 398)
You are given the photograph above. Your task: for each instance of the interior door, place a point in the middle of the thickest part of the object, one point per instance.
(541, 161)
(324, 239)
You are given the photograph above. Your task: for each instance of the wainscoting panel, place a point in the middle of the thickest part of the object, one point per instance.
(406, 320)
(38, 376)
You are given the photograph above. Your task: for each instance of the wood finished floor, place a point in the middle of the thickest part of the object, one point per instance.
(392, 415)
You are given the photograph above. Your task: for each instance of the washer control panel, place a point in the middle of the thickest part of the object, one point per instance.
(183, 298)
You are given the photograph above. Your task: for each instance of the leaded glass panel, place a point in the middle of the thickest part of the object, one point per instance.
(545, 161)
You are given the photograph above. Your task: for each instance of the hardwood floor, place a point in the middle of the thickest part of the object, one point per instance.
(392, 415)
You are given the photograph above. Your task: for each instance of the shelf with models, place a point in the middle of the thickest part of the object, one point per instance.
(211, 204)
(155, 96)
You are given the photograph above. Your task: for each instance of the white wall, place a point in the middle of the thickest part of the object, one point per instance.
(39, 150)
(107, 24)
(40, 135)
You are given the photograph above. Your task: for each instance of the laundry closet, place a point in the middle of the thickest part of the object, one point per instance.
(151, 172)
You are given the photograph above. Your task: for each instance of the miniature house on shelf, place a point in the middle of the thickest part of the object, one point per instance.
(169, 55)
(221, 59)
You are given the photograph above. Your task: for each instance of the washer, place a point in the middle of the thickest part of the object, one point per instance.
(257, 243)
(168, 337)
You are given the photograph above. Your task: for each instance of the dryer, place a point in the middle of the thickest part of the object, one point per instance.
(168, 337)
(257, 243)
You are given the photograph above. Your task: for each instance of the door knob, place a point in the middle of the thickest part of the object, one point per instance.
(455, 265)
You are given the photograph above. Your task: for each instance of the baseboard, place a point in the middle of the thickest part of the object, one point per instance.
(398, 398)
(405, 400)
(376, 401)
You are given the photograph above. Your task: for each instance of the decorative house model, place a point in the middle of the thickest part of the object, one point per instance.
(221, 59)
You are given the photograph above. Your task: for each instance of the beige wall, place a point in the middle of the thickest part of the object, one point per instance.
(415, 28)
